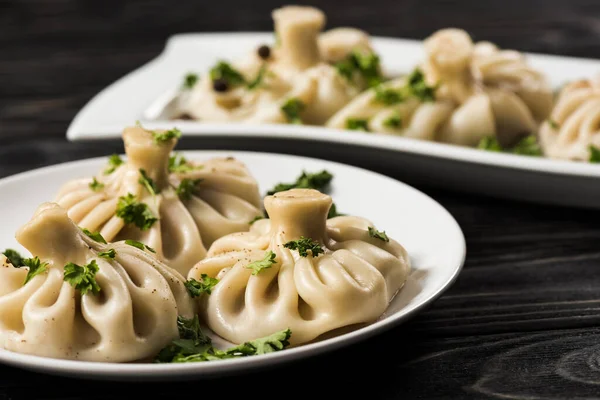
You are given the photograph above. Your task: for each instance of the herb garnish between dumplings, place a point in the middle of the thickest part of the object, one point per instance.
(186, 188)
(317, 181)
(259, 265)
(94, 236)
(179, 164)
(528, 146)
(162, 137)
(148, 183)
(381, 235)
(110, 253)
(366, 65)
(204, 285)
(139, 245)
(35, 265)
(95, 185)
(225, 72)
(194, 346)
(114, 162)
(415, 86)
(357, 124)
(393, 121)
(304, 245)
(189, 81)
(594, 154)
(134, 212)
(292, 109)
(83, 277)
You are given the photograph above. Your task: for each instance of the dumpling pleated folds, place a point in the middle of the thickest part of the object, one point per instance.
(179, 213)
(310, 292)
(131, 316)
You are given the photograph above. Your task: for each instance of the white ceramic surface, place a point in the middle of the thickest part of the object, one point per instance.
(431, 236)
(143, 94)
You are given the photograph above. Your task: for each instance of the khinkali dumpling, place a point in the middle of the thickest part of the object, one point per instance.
(178, 214)
(290, 82)
(123, 308)
(338, 43)
(574, 124)
(506, 97)
(301, 271)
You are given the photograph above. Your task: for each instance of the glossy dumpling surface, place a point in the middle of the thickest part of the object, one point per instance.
(351, 282)
(132, 317)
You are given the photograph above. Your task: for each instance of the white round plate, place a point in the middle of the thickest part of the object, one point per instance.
(430, 234)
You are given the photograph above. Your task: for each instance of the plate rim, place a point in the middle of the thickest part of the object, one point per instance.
(127, 371)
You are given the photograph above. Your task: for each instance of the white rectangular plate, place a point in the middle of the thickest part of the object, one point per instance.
(143, 94)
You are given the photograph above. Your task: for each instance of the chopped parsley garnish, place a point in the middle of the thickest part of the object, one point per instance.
(365, 64)
(418, 86)
(259, 265)
(381, 235)
(224, 71)
(594, 154)
(189, 81)
(304, 245)
(204, 285)
(94, 236)
(195, 346)
(83, 278)
(528, 146)
(393, 121)
(333, 212)
(162, 137)
(316, 181)
(135, 212)
(389, 96)
(357, 124)
(148, 183)
(292, 109)
(259, 79)
(35, 265)
(114, 162)
(111, 253)
(139, 245)
(553, 124)
(179, 164)
(95, 185)
(186, 188)
(257, 218)
(14, 257)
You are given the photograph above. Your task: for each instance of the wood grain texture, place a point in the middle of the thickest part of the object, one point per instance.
(521, 321)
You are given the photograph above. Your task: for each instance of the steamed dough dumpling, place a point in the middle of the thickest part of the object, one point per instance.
(259, 87)
(179, 214)
(574, 124)
(310, 292)
(496, 92)
(130, 316)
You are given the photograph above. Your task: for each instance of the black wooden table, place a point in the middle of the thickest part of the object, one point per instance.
(522, 321)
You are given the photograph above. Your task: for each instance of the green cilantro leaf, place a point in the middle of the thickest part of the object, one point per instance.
(191, 341)
(95, 185)
(148, 183)
(139, 245)
(224, 71)
(14, 257)
(111, 253)
(163, 137)
(381, 235)
(114, 162)
(269, 344)
(189, 81)
(258, 80)
(594, 154)
(357, 124)
(83, 278)
(259, 265)
(333, 212)
(528, 146)
(489, 143)
(94, 236)
(306, 180)
(292, 109)
(389, 96)
(134, 212)
(303, 245)
(418, 86)
(205, 285)
(366, 65)
(179, 164)
(393, 121)
(187, 187)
